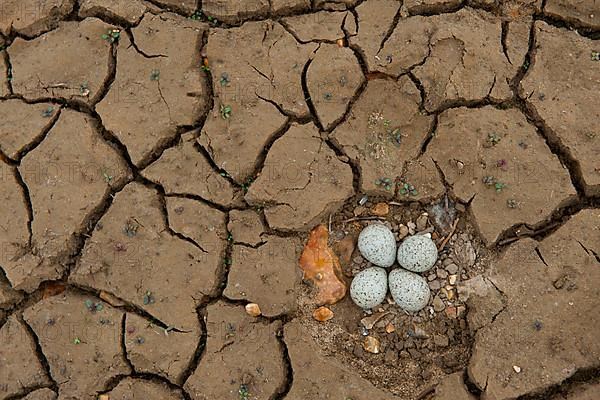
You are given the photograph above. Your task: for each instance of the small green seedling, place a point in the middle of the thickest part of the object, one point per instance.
(499, 186)
(526, 64)
(243, 392)
(205, 68)
(93, 307)
(84, 89)
(212, 20)
(112, 35)
(386, 123)
(224, 81)
(130, 229)
(493, 139)
(155, 75)
(226, 111)
(229, 237)
(76, 341)
(408, 190)
(196, 15)
(47, 113)
(396, 137)
(107, 177)
(385, 183)
(246, 185)
(595, 55)
(148, 298)
(512, 203)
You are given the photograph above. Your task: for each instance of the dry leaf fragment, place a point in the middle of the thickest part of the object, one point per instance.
(390, 328)
(53, 289)
(322, 268)
(370, 321)
(253, 310)
(323, 314)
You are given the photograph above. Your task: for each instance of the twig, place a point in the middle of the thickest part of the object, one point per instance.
(454, 225)
(364, 219)
(395, 203)
(329, 222)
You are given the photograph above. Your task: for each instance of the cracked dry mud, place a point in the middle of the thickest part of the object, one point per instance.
(163, 161)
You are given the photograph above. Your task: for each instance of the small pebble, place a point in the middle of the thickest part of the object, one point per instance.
(422, 222)
(452, 279)
(402, 231)
(435, 285)
(438, 304)
(442, 273)
(372, 345)
(452, 268)
(517, 368)
(253, 309)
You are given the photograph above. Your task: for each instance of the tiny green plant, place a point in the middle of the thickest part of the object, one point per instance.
(130, 229)
(93, 306)
(47, 113)
(246, 185)
(76, 341)
(148, 298)
(595, 55)
(227, 262)
(155, 75)
(226, 111)
(84, 89)
(112, 35)
(243, 392)
(499, 186)
(396, 137)
(591, 135)
(408, 190)
(385, 183)
(205, 68)
(493, 139)
(526, 64)
(386, 123)
(196, 15)
(512, 203)
(488, 180)
(212, 20)
(229, 237)
(224, 81)
(107, 177)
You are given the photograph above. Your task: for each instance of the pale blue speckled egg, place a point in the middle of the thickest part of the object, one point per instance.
(369, 287)
(376, 243)
(409, 290)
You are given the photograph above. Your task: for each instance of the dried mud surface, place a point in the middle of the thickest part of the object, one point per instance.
(163, 161)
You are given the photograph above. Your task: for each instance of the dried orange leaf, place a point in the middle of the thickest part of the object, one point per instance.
(323, 314)
(322, 268)
(253, 309)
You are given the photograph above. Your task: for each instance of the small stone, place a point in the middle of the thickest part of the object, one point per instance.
(402, 231)
(426, 375)
(358, 211)
(389, 328)
(441, 273)
(451, 312)
(441, 340)
(391, 356)
(103, 397)
(323, 314)
(404, 354)
(517, 368)
(452, 268)
(418, 332)
(438, 304)
(414, 353)
(460, 311)
(370, 321)
(372, 345)
(435, 285)
(381, 209)
(358, 351)
(253, 309)
(450, 292)
(460, 207)
(452, 279)
(431, 277)
(422, 222)
(411, 227)
(447, 261)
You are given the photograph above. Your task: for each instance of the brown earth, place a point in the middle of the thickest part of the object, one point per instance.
(163, 162)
